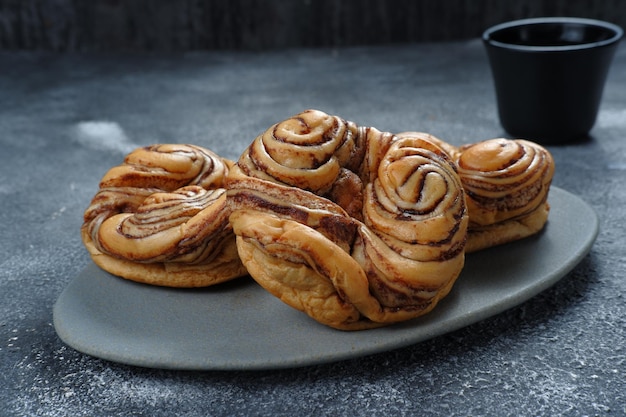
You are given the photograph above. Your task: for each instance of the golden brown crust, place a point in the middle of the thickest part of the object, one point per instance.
(391, 262)
(304, 269)
(162, 218)
(225, 264)
(508, 231)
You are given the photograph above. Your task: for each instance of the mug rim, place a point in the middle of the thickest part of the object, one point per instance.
(487, 37)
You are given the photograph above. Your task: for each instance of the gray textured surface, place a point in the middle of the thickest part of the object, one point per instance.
(64, 120)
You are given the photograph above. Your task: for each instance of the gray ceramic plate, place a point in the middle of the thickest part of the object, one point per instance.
(238, 326)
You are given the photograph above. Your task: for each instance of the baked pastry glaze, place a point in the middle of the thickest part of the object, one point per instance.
(388, 253)
(161, 218)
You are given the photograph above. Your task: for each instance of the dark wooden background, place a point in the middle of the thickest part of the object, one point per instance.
(131, 25)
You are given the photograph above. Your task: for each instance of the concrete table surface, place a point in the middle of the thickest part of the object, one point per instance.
(66, 119)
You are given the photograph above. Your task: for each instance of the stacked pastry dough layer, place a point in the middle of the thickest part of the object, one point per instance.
(355, 227)
(162, 218)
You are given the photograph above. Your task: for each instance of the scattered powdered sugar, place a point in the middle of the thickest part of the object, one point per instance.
(103, 136)
(79, 389)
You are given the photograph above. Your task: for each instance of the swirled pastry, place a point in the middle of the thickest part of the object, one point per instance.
(356, 227)
(506, 183)
(378, 237)
(162, 218)
(306, 151)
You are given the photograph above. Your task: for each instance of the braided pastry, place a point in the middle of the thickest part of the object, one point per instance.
(377, 238)
(162, 218)
(506, 184)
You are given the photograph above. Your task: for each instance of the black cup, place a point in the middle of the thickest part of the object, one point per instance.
(549, 75)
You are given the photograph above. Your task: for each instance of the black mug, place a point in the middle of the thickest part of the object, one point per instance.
(549, 75)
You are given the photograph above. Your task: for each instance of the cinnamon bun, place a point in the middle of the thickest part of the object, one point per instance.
(161, 218)
(507, 183)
